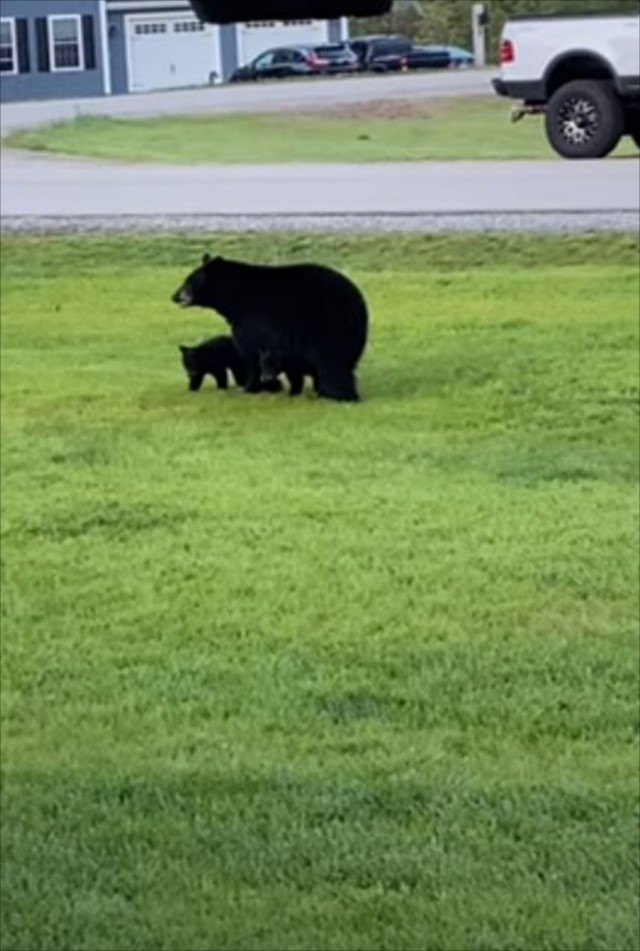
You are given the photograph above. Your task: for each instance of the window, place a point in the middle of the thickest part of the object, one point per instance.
(149, 29)
(65, 47)
(269, 24)
(265, 61)
(188, 26)
(156, 29)
(283, 56)
(8, 58)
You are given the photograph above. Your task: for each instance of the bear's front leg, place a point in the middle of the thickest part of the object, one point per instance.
(269, 370)
(250, 358)
(271, 386)
(222, 379)
(251, 340)
(254, 382)
(296, 381)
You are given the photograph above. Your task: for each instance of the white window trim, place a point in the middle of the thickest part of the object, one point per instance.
(104, 48)
(52, 63)
(14, 47)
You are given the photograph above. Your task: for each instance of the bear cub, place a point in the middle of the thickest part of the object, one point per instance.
(274, 362)
(214, 357)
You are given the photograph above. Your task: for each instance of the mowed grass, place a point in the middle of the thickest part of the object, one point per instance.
(417, 129)
(283, 673)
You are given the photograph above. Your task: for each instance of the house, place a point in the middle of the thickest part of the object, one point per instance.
(82, 48)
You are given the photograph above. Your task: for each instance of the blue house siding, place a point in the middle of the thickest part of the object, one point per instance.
(41, 83)
(36, 79)
(228, 49)
(335, 31)
(117, 52)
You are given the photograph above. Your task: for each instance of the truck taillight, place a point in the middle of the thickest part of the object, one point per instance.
(507, 52)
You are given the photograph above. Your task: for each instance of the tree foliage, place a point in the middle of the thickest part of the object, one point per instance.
(449, 21)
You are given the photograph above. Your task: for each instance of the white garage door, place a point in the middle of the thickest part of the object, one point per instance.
(256, 37)
(166, 52)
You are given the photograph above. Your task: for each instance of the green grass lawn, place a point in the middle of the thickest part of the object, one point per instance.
(469, 128)
(284, 673)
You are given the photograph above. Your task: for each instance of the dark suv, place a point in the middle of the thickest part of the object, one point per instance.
(337, 57)
(298, 61)
(381, 54)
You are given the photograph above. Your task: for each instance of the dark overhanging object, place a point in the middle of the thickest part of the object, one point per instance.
(239, 11)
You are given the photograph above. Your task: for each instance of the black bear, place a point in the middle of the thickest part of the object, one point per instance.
(273, 363)
(214, 356)
(307, 314)
(220, 354)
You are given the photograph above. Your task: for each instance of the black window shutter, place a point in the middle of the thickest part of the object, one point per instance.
(22, 38)
(88, 42)
(42, 39)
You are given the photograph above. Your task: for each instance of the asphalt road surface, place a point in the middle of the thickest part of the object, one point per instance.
(32, 185)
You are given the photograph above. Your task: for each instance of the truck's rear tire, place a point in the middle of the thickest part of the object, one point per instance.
(584, 119)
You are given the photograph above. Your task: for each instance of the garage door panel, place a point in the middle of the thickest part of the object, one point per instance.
(257, 36)
(168, 52)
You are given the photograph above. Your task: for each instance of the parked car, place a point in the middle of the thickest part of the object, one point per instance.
(339, 58)
(298, 61)
(381, 54)
(427, 57)
(459, 57)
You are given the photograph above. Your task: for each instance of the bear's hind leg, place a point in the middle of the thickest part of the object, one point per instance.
(337, 385)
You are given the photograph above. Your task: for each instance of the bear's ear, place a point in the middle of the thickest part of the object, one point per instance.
(206, 258)
(182, 348)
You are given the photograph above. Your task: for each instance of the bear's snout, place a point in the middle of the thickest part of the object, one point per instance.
(181, 296)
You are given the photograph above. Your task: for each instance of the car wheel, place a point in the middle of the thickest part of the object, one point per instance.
(584, 119)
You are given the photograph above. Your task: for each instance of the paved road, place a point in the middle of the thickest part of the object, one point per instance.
(250, 97)
(34, 185)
